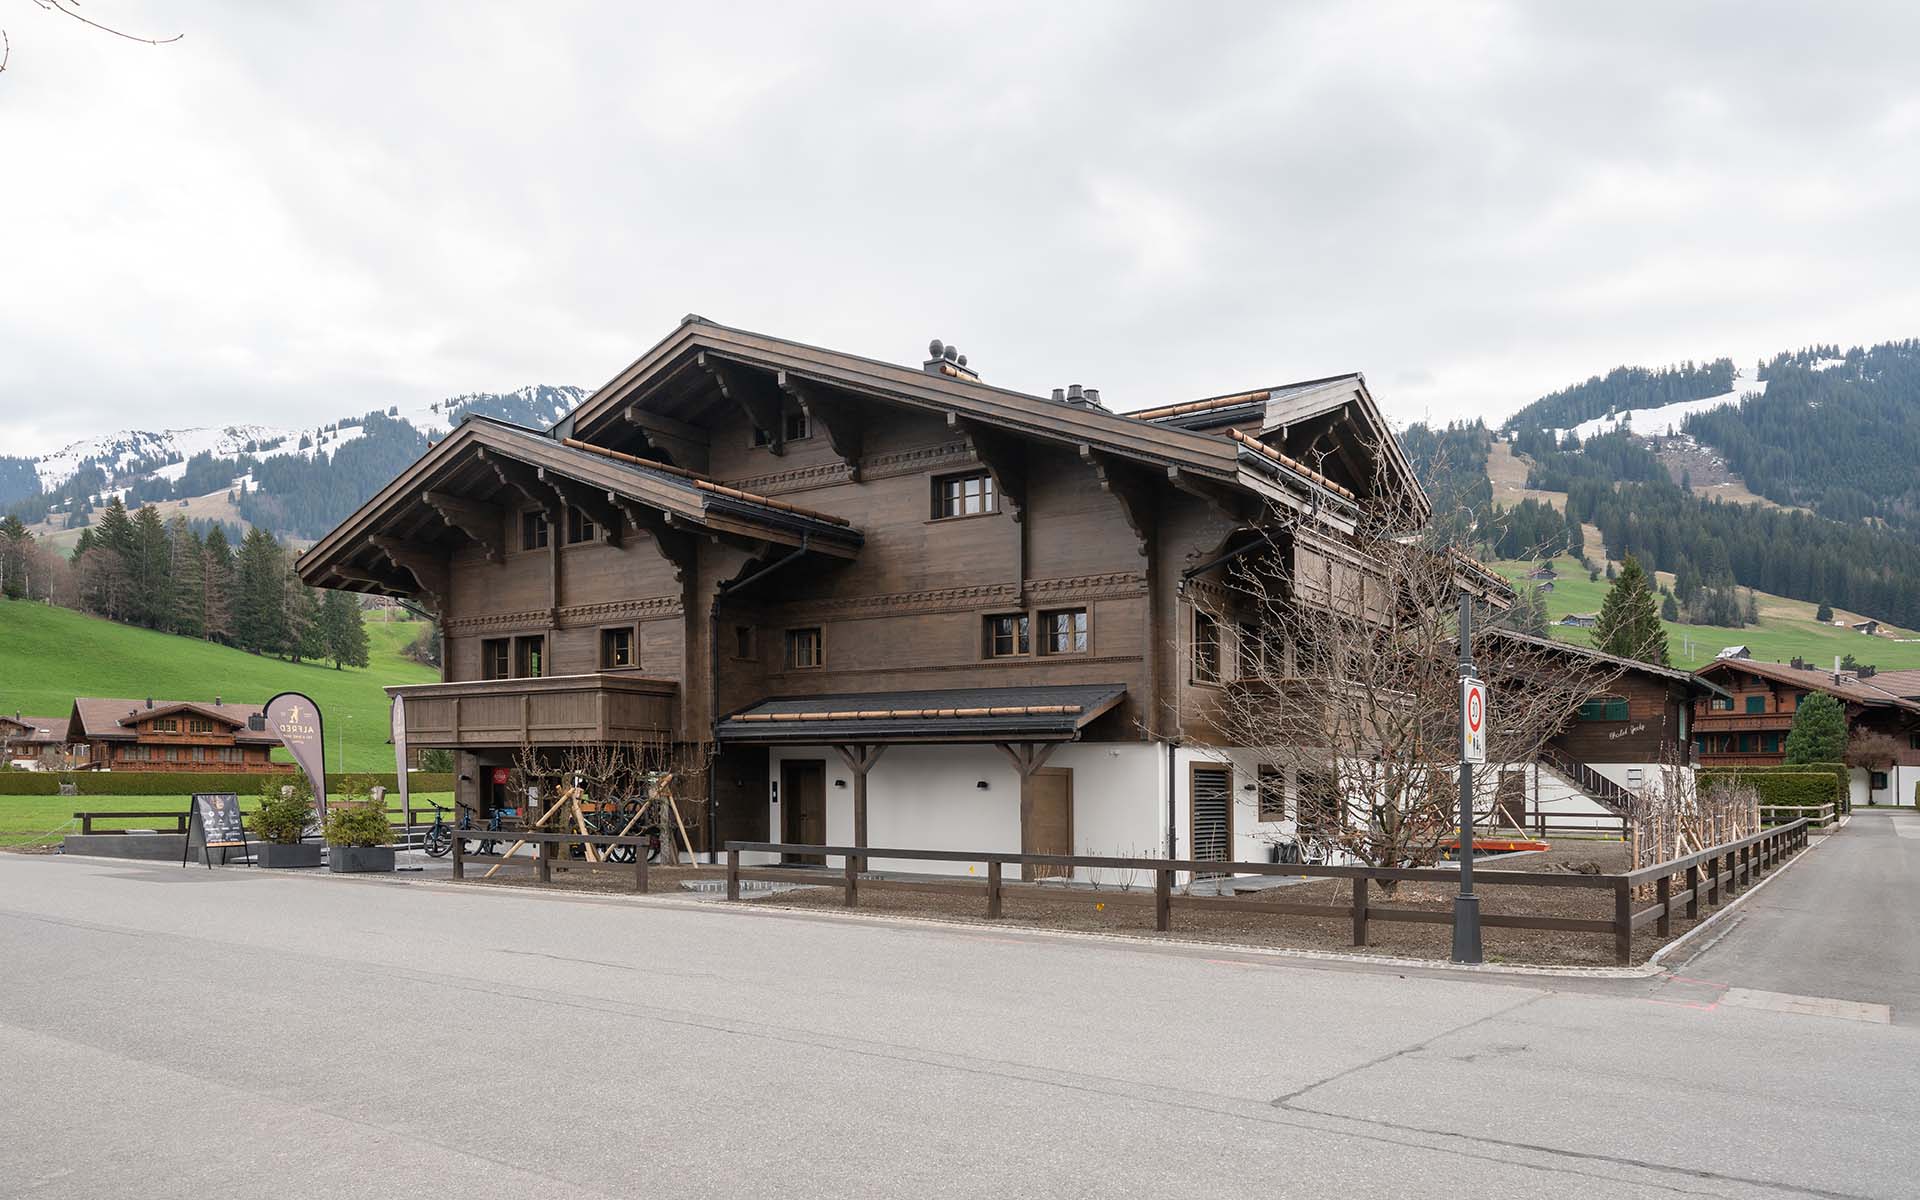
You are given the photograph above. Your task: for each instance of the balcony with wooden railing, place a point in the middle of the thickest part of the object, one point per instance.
(554, 711)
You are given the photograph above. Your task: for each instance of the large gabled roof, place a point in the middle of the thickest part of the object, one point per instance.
(697, 339)
(1575, 650)
(681, 495)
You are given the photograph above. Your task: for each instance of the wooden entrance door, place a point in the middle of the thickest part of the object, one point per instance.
(803, 803)
(1210, 793)
(1046, 819)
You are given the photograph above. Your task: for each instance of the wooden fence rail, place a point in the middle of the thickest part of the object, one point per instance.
(542, 864)
(1818, 815)
(177, 816)
(1731, 866)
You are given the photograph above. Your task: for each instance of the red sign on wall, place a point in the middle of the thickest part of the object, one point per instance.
(500, 775)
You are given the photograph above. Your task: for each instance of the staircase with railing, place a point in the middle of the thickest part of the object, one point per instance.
(1595, 786)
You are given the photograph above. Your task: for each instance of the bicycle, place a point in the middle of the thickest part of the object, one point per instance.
(487, 845)
(438, 840)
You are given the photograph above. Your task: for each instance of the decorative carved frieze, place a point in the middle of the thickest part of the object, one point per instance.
(1115, 586)
(1016, 665)
(872, 466)
(641, 609)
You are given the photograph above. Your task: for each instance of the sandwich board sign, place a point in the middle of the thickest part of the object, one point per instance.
(1473, 721)
(215, 816)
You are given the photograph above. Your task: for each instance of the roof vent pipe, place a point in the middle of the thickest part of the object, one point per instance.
(1059, 395)
(1075, 393)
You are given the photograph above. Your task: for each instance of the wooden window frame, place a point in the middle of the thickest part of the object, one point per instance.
(581, 528)
(1042, 642)
(1212, 677)
(506, 658)
(989, 492)
(607, 634)
(536, 532)
(792, 659)
(1021, 633)
(1262, 792)
(520, 645)
(747, 636)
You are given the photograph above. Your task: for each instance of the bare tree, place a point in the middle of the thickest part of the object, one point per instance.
(69, 8)
(1340, 659)
(1675, 816)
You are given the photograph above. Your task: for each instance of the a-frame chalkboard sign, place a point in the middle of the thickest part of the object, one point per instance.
(216, 817)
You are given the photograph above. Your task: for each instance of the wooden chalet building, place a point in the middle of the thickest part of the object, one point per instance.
(171, 735)
(25, 739)
(905, 607)
(1747, 725)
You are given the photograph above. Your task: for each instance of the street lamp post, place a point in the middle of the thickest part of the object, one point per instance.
(1466, 906)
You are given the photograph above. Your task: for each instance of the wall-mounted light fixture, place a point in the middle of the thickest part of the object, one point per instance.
(982, 785)
(839, 783)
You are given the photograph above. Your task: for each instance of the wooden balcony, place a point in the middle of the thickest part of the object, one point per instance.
(1726, 722)
(555, 711)
(1738, 758)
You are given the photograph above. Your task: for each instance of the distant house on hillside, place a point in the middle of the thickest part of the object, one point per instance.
(1542, 573)
(1870, 628)
(1735, 652)
(1544, 588)
(24, 739)
(172, 735)
(1580, 620)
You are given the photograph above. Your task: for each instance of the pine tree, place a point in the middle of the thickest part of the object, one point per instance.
(1669, 609)
(1819, 733)
(1629, 624)
(147, 603)
(1825, 614)
(344, 630)
(306, 630)
(14, 541)
(260, 594)
(216, 583)
(186, 572)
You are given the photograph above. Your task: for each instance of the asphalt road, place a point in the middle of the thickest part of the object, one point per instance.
(169, 1032)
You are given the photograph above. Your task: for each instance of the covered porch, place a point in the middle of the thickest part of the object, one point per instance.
(964, 768)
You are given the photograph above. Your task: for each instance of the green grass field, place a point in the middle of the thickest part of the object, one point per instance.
(37, 820)
(50, 655)
(1786, 627)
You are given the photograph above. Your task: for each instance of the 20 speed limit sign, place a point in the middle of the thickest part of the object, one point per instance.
(1473, 721)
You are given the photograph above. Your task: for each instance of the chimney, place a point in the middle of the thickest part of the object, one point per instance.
(216, 702)
(943, 359)
(150, 699)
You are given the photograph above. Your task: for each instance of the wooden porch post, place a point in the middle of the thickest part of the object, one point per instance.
(860, 760)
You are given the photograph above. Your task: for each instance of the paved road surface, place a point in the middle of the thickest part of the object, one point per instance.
(185, 1033)
(1845, 922)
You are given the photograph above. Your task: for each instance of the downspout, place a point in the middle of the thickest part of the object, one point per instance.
(713, 687)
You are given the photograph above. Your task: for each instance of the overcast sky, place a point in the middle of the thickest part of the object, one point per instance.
(309, 210)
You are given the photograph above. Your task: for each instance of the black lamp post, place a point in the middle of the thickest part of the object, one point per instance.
(1466, 906)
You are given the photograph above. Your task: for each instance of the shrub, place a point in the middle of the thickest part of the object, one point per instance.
(1801, 787)
(355, 821)
(283, 816)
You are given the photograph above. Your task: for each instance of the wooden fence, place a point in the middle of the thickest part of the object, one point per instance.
(1731, 866)
(1817, 815)
(542, 863)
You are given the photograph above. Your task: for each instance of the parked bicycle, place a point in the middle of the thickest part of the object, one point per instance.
(438, 840)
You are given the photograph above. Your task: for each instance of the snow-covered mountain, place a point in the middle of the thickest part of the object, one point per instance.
(164, 454)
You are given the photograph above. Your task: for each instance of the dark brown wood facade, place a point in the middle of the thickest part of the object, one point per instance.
(855, 527)
(148, 735)
(1750, 726)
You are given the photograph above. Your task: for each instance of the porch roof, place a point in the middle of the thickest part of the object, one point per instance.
(998, 714)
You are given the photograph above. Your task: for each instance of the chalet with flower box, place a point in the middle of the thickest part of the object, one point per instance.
(886, 605)
(172, 735)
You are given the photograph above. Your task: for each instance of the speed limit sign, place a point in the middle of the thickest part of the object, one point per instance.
(1473, 721)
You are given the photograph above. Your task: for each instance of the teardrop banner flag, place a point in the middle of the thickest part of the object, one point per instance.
(295, 719)
(400, 753)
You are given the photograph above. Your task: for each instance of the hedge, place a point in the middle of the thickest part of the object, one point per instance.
(1800, 784)
(180, 783)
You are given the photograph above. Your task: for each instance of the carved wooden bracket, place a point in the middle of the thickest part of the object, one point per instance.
(846, 432)
(754, 394)
(596, 503)
(428, 568)
(483, 522)
(1228, 502)
(1028, 757)
(675, 545)
(684, 445)
(516, 478)
(386, 583)
(1004, 457)
(1130, 488)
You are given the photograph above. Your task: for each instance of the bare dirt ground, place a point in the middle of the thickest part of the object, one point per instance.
(1249, 920)
(1708, 473)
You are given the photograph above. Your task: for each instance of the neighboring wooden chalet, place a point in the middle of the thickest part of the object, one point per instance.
(1749, 725)
(900, 605)
(171, 735)
(26, 739)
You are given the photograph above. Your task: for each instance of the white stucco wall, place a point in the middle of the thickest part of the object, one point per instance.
(1900, 781)
(929, 798)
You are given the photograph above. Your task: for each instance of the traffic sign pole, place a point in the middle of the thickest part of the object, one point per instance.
(1466, 906)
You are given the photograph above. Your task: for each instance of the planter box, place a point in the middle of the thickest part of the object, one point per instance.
(360, 858)
(283, 855)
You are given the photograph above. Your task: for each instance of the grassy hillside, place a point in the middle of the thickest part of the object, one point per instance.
(50, 655)
(1786, 627)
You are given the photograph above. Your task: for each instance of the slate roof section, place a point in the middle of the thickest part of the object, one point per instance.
(1039, 713)
(1575, 650)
